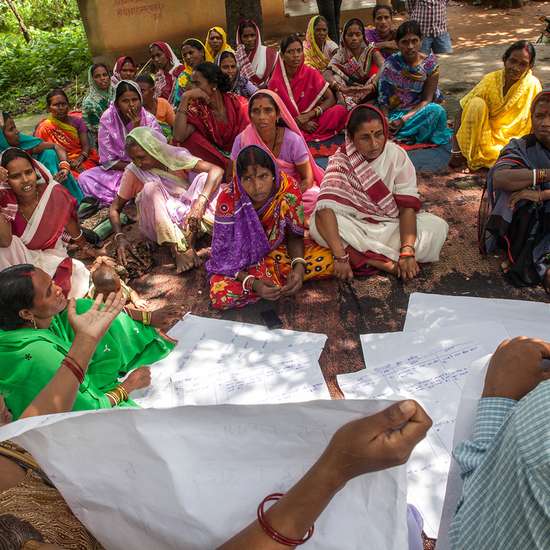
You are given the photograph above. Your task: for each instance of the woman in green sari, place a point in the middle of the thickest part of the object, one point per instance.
(36, 338)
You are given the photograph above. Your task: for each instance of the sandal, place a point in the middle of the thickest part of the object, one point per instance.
(505, 267)
(88, 207)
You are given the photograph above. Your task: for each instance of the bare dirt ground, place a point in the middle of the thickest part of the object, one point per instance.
(379, 303)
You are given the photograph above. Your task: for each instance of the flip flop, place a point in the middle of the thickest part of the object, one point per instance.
(91, 236)
(88, 207)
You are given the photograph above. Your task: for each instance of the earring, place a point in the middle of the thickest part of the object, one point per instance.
(34, 323)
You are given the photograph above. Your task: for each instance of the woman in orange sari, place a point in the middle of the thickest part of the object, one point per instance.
(258, 245)
(70, 132)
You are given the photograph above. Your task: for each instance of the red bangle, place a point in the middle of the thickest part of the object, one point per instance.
(73, 366)
(277, 537)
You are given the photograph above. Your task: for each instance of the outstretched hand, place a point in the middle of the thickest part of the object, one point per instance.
(95, 322)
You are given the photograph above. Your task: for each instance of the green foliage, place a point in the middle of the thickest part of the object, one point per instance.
(29, 71)
(44, 15)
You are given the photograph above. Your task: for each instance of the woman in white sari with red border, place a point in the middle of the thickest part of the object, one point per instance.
(367, 211)
(37, 221)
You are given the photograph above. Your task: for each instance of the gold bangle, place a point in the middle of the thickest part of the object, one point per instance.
(125, 395)
(146, 317)
(114, 397)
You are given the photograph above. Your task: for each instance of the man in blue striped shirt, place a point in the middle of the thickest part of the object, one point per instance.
(506, 465)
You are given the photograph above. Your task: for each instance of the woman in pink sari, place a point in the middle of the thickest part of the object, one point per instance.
(272, 126)
(175, 193)
(306, 94)
(255, 60)
(124, 114)
(37, 221)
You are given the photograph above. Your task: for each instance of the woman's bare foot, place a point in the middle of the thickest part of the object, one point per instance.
(458, 161)
(186, 261)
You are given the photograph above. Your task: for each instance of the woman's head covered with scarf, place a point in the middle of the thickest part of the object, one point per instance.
(540, 117)
(254, 185)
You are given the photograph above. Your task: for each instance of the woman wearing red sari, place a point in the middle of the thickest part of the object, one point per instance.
(37, 221)
(255, 60)
(167, 66)
(209, 118)
(306, 94)
(70, 132)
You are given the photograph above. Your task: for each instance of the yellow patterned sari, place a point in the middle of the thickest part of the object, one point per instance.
(491, 119)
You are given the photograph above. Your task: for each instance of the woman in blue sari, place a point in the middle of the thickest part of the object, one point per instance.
(51, 155)
(518, 194)
(408, 91)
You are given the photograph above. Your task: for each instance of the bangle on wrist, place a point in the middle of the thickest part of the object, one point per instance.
(78, 236)
(296, 261)
(271, 532)
(342, 259)
(117, 235)
(408, 246)
(245, 282)
(64, 165)
(534, 183)
(406, 255)
(114, 397)
(204, 196)
(146, 317)
(74, 367)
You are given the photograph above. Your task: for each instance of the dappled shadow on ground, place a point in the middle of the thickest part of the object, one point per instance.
(375, 304)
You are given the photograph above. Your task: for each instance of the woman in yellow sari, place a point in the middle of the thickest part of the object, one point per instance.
(496, 110)
(216, 43)
(318, 47)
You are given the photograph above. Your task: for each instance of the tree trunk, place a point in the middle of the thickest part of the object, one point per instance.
(24, 30)
(235, 10)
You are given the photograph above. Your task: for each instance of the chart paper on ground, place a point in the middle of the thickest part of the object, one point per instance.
(519, 317)
(217, 362)
(431, 367)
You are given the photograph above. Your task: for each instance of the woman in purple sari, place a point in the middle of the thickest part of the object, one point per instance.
(124, 114)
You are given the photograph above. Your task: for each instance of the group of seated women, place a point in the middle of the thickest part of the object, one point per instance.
(169, 137)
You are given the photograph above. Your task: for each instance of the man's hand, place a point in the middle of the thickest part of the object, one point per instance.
(380, 441)
(516, 368)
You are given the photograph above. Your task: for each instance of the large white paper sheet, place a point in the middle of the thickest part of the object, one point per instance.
(471, 393)
(431, 367)
(190, 477)
(217, 362)
(519, 317)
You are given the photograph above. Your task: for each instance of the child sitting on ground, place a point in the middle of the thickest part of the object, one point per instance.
(106, 279)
